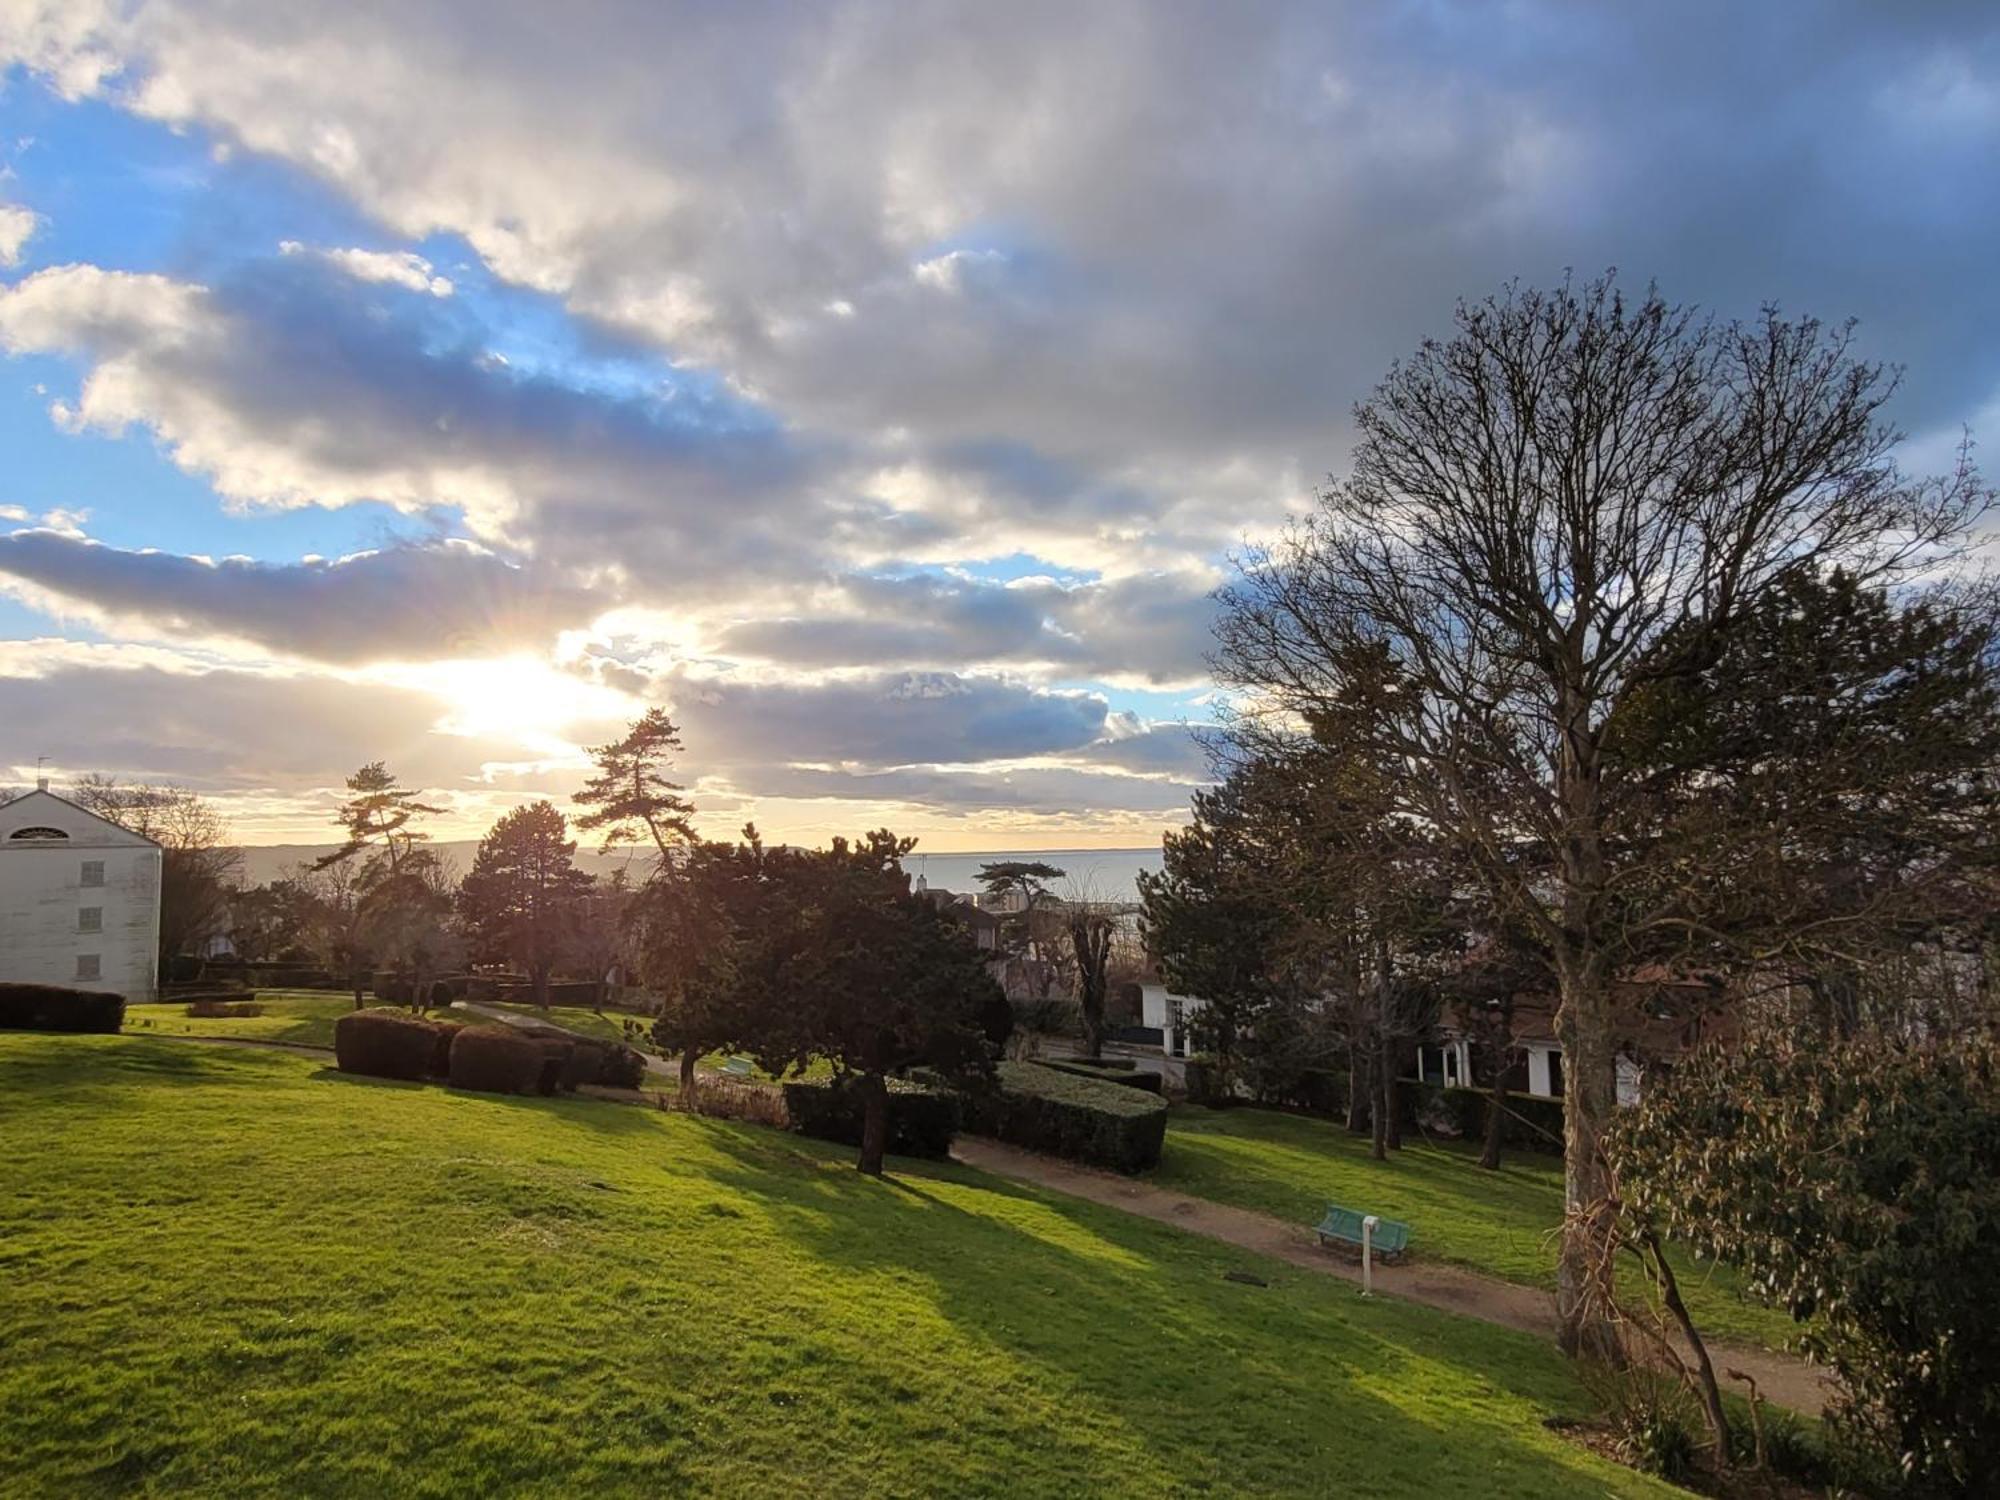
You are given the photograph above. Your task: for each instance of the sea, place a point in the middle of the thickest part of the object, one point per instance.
(1099, 874)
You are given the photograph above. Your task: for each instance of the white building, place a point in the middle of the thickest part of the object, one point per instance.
(1167, 1013)
(79, 899)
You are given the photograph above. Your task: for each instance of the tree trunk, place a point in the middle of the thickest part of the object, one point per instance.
(1496, 1122)
(1590, 1096)
(540, 976)
(1710, 1393)
(1392, 1115)
(354, 974)
(687, 1078)
(874, 1122)
(1378, 1114)
(1359, 1088)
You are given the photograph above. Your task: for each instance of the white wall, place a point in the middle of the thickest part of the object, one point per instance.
(1540, 1074)
(1158, 1007)
(43, 900)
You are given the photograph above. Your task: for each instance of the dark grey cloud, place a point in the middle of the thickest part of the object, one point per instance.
(1155, 627)
(228, 731)
(877, 720)
(419, 601)
(1039, 790)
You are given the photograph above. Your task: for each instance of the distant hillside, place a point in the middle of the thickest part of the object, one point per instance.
(1110, 874)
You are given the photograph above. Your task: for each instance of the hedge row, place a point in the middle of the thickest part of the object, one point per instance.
(56, 1007)
(1128, 1075)
(1533, 1122)
(1084, 1119)
(383, 1043)
(922, 1120)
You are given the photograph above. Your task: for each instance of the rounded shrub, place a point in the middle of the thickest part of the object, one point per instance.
(55, 1007)
(622, 1067)
(496, 1060)
(1085, 1119)
(441, 1039)
(922, 1121)
(384, 1044)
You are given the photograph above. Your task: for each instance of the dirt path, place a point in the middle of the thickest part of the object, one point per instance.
(1787, 1381)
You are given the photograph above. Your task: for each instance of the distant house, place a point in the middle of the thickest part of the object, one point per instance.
(79, 898)
(1657, 1018)
(1167, 1013)
(979, 921)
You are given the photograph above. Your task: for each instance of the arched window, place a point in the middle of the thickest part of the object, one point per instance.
(37, 835)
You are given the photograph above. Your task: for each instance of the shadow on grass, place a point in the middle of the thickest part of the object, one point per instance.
(1225, 1383)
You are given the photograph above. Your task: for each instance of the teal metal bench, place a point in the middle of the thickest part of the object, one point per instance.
(1343, 1226)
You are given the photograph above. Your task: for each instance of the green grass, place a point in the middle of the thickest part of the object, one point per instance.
(306, 1017)
(1292, 1166)
(237, 1272)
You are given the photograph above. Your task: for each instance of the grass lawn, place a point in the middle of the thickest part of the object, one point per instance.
(237, 1272)
(307, 1016)
(1500, 1222)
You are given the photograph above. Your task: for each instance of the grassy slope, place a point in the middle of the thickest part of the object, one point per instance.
(306, 1017)
(1498, 1222)
(237, 1272)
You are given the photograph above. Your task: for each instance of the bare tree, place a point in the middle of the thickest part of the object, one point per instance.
(198, 865)
(1569, 501)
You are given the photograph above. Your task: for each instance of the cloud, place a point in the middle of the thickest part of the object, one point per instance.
(1121, 237)
(877, 719)
(420, 601)
(17, 225)
(1149, 628)
(294, 385)
(403, 268)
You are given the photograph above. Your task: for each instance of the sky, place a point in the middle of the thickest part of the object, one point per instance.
(883, 389)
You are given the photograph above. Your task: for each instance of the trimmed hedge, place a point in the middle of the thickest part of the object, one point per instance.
(1209, 1082)
(1533, 1123)
(442, 1035)
(621, 1067)
(1085, 1119)
(1128, 1076)
(385, 1044)
(497, 1060)
(57, 1007)
(922, 1120)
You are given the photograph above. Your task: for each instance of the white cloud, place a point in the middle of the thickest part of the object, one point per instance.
(17, 225)
(404, 268)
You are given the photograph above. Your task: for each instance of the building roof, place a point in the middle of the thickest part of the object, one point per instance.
(40, 820)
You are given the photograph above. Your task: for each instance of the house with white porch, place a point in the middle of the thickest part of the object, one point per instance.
(79, 899)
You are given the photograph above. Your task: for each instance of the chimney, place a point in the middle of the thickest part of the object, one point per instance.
(41, 783)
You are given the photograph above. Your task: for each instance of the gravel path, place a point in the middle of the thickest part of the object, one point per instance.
(1783, 1379)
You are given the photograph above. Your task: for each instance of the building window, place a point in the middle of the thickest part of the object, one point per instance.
(93, 872)
(38, 835)
(90, 919)
(88, 966)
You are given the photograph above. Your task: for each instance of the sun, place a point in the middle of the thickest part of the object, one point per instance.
(521, 700)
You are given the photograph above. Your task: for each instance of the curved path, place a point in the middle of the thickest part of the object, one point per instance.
(1783, 1379)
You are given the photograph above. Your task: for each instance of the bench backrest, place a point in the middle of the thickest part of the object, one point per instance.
(1390, 1236)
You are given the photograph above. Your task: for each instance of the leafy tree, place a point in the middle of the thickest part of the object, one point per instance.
(522, 896)
(818, 953)
(881, 979)
(1549, 515)
(631, 790)
(1020, 931)
(378, 854)
(414, 932)
(690, 933)
(1858, 1186)
(379, 817)
(198, 866)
